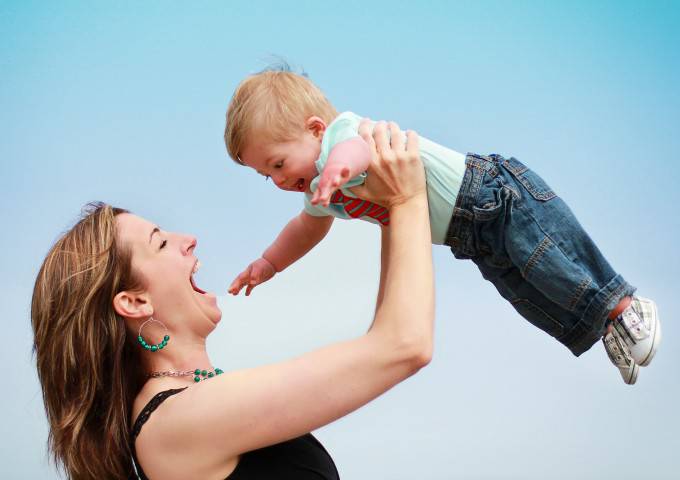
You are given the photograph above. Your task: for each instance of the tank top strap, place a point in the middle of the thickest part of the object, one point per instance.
(149, 408)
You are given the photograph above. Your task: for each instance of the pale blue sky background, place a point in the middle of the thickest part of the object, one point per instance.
(124, 102)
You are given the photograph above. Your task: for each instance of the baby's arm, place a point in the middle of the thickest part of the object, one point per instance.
(297, 238)
(346, 160)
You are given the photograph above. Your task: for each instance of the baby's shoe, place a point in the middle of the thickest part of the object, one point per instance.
(638, 326)
(619, 354)
(634, 339)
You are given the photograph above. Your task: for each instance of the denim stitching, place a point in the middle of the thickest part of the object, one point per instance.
(583, 334)
(460, 229)
(543, 196)
(580, 290)
(517, 169)
(614, 293)
(536, 256)
(461, 212)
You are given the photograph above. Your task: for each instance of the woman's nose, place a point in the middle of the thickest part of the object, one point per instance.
(188, 244)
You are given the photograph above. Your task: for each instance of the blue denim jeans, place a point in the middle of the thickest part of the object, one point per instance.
(527, 242)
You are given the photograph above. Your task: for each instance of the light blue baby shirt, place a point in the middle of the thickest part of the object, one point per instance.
(444, 170)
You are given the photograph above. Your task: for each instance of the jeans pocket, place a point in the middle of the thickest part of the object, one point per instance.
(491, 203)
(530, 180)
(538, 317)
(487, 211)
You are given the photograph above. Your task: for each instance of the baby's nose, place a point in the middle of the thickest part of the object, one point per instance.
(279, 180)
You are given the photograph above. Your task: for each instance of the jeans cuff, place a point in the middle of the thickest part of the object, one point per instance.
(592, 325)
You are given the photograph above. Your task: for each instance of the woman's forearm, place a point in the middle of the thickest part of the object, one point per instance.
(384, 254)
(406, 314)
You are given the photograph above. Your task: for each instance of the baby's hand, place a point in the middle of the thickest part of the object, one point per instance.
(257, 272)
(332, 178)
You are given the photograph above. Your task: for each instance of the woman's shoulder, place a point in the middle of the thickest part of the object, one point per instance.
(151, 393)
(160, 414)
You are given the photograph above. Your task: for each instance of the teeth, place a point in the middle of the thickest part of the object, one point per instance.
(196, 267)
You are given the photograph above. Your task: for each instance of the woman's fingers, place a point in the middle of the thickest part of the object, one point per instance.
(396, 172)
(365, 131)
(396, 137)
(413, 143)
(382, 141)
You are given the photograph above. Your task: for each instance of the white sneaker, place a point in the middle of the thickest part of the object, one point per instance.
(619, 354)
(639, 328)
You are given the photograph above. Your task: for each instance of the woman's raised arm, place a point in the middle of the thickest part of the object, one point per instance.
(244, 410)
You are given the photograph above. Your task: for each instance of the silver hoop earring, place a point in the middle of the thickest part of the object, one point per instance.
(153, 347)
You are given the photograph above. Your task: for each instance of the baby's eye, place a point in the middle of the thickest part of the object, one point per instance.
(278, 164)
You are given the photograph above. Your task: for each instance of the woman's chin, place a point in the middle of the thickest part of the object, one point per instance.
(208, 303)
(216, 318)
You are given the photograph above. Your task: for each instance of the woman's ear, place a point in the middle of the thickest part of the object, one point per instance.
(316, 126)
(132, 305)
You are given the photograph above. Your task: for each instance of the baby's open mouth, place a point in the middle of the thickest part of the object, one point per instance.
(300, 185)
(197, 265)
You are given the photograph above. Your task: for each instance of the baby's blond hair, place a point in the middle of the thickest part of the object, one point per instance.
(273, 105)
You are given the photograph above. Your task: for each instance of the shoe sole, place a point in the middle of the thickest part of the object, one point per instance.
(629, 376)
(633, 376)
(656, 336)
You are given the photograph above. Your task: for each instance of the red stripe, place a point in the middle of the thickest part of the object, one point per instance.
(378, 211)
(381, 214)
(375, 209)
(362, 209)
(352, 204)
(338, 197)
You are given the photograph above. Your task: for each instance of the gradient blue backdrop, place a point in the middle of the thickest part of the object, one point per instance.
(125, 102)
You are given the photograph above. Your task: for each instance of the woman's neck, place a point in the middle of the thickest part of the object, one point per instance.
(178, 356)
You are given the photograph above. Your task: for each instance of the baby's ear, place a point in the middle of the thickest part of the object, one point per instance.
(316, 126)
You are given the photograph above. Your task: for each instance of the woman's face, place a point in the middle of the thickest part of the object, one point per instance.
(165, 263)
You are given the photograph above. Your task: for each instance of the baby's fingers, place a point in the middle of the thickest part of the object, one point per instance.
(325, 197)
(315, 196)
(250, 288)
(235, 287)
(319, 195)
(240, 281)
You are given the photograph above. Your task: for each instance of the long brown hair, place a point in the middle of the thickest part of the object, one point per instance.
(88, 366)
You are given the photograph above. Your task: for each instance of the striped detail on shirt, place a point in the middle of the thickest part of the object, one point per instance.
(357, 208)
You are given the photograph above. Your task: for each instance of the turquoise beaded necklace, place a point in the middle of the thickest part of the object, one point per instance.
(198, 374)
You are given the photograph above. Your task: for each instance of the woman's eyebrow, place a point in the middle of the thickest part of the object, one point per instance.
(155, 230)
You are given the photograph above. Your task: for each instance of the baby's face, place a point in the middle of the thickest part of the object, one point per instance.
(289, 164)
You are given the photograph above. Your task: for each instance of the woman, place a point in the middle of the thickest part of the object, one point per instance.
(120, 332)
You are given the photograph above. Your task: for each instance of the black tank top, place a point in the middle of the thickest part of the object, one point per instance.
(302, 458)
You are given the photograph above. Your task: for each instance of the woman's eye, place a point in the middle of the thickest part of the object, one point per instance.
(163, 244)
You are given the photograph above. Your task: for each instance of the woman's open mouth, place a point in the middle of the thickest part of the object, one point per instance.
(197, 265)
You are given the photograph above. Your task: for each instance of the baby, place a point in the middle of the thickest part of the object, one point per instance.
(489, 209)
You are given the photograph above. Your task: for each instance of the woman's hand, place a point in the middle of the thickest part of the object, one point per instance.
(395, 173)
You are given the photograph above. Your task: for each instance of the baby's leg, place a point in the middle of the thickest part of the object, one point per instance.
(527, 242)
